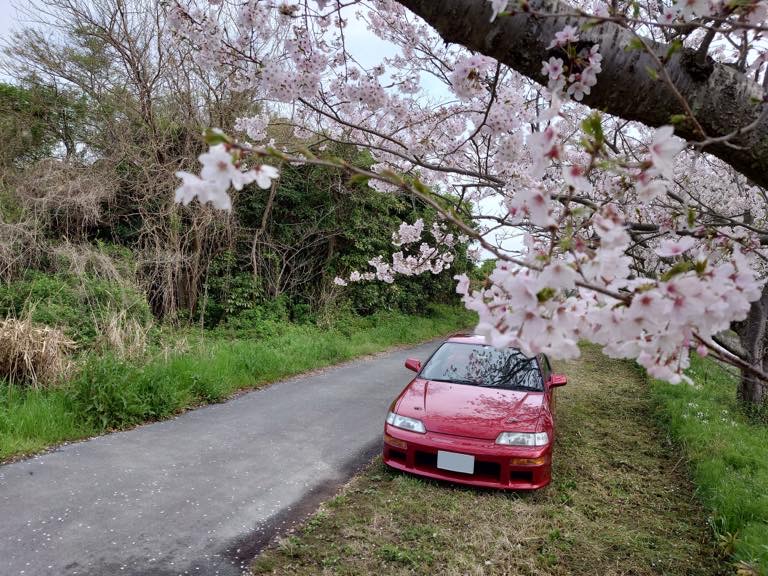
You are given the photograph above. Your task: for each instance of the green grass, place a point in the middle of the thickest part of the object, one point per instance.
(112, 394)
(620, 504)
(727, 455)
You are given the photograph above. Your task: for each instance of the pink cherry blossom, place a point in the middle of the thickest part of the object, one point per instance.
(496, 7)
(545, 146)
(649, 189)
(663, 149)
(558, 275)
(668, 16)
(670, 248)
(462, 283)
(564, 36)
(218, 167)
(468, 75)
(255, 127)
(553, 68)
(573, 176)
(262, 175)
(408, 233)
(195, 187)
(691, 8)
(533, 203)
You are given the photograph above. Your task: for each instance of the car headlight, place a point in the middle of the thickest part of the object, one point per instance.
(523, 439)
(406, 423)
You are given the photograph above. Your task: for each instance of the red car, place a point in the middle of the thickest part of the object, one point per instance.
(475, 415)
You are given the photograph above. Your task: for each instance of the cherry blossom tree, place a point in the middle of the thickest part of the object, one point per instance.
(627, 144)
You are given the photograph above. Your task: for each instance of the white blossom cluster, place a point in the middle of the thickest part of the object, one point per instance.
(654, 322)
(434, 258)
(575, 79)
(254, 126)
(217, 175)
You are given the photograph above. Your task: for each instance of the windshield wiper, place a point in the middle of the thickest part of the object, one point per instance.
(466, 382)
(515, 387)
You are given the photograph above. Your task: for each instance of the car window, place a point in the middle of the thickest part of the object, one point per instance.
(480, 365)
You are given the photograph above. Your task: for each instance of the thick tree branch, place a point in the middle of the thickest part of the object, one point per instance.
(722, 98)
(723, 343)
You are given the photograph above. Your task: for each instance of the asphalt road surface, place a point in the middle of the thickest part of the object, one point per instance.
(204, 492)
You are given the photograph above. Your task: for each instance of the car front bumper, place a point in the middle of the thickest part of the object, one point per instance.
(494, 467)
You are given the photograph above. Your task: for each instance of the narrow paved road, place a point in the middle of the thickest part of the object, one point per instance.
(199, 494)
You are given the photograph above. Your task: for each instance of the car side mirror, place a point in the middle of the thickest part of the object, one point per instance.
(558, 380)
(413, 364)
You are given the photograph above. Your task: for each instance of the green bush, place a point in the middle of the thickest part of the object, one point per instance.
(259, 321)
(229, 292)
(78, 305)
(104, 394)
(110, 393)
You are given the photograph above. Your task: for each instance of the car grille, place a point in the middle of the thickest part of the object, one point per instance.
(484, 470)
(397, 455)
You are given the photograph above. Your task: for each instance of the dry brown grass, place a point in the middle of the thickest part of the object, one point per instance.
(124, 336)
(22, 245)
(66, 197)
(33, 355)
(85, 259)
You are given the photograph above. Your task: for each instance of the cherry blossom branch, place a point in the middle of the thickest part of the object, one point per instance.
(725, 355)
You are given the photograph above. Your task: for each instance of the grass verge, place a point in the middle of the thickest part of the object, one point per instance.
(109, 393)
(728, 459)
(620, 504)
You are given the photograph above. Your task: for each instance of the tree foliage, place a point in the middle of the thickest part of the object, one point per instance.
(103, 115)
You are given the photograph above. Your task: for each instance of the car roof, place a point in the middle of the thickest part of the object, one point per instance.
(467, 339)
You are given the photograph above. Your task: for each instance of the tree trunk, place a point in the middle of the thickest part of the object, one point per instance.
(753, 334)
(751, 390)
(722, 98)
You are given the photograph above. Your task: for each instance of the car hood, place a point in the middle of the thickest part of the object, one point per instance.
(471, 411)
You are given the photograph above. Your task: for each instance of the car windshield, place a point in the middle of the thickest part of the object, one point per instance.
(480, 365)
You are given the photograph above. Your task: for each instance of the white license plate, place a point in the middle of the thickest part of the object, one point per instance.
(456, 462)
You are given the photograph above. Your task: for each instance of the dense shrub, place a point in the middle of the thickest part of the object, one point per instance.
(229, 291)
(259, 320)
(409, 295)
(78, 305)
(104, 395)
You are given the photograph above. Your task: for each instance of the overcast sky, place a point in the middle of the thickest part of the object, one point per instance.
(7, 18)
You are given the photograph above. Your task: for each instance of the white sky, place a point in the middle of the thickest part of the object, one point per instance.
(8, 18)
